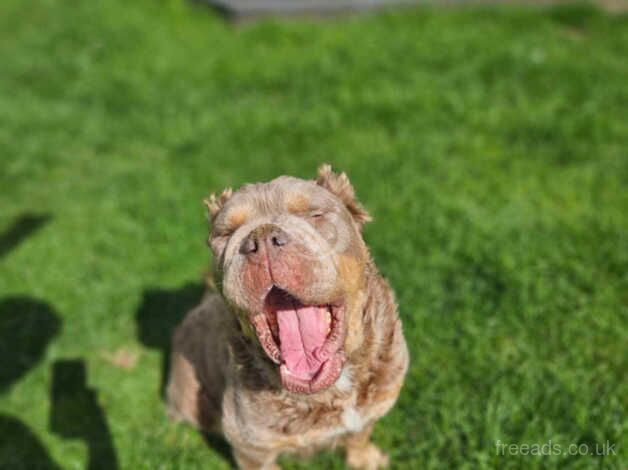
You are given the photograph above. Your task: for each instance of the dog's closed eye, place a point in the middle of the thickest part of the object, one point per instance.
(222, 234)
(219, 236)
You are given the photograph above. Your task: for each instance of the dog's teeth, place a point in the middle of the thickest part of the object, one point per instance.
(328, 317)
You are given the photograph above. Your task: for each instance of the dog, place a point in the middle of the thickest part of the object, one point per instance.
(302, 348)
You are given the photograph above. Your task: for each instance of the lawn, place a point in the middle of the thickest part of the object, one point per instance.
(490, 145)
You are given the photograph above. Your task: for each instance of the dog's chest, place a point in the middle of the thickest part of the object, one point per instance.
(352, 419)
(323, 425)
(298, 423)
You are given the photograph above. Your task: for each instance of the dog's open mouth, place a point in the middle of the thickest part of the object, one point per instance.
(306, 340)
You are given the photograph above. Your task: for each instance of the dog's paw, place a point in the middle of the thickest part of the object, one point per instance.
(367, 458)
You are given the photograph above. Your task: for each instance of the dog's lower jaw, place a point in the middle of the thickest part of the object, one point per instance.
(328, 356)
(326, 377)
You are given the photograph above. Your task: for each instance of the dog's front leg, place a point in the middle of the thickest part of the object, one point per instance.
(255, 459)
(362, 453)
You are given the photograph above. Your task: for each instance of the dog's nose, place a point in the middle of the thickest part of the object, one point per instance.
(249, 245)
(278, 237)
(269, 235)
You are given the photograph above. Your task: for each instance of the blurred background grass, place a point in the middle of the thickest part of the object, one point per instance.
(489, 144)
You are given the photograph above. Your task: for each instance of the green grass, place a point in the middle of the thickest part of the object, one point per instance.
(491, 146)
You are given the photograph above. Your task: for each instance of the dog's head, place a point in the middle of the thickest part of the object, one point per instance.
(290, 259)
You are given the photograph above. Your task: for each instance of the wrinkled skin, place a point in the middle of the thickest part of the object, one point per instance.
(303, 348)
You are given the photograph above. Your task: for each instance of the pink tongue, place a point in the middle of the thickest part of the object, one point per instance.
(302, 332)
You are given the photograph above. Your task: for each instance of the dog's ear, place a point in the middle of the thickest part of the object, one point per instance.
(215, 203)
(339, 185)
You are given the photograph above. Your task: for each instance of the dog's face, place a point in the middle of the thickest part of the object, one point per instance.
(290, 259)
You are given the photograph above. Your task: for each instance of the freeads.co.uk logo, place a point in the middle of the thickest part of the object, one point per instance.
(553, 448)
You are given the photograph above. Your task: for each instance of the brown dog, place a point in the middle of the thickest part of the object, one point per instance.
(304, 349)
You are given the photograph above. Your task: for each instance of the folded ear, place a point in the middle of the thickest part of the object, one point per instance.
(339, 185)
(215, 203)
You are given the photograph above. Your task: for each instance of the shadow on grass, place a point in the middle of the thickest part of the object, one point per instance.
(20, 448)
(159, 314)
(76, 414)
(22, 227)
(27, 326)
